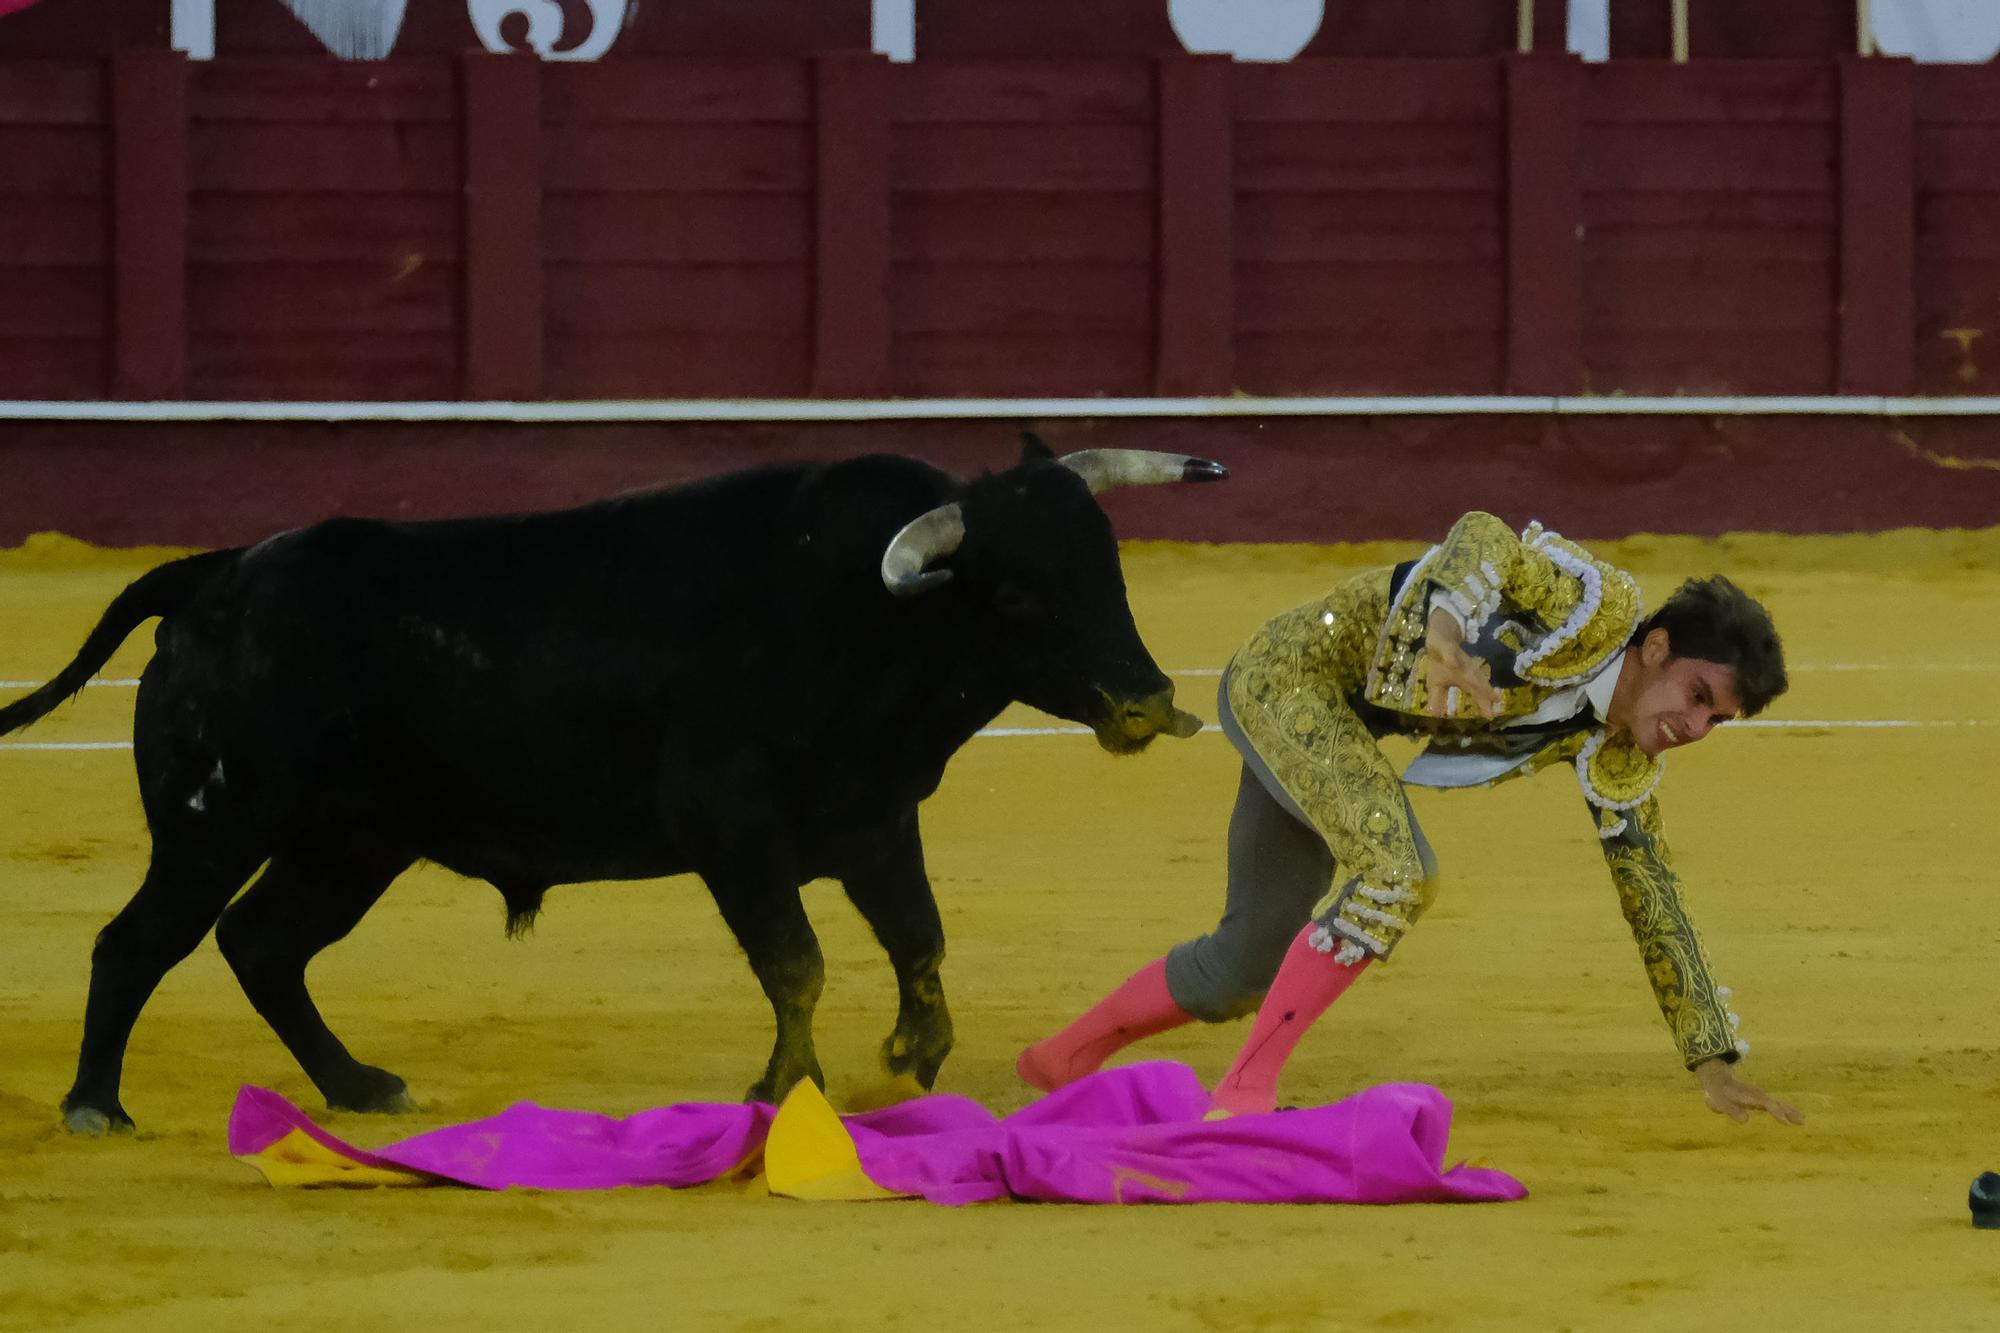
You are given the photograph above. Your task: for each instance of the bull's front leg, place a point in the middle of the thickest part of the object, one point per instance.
(770, 923)
(893, 894)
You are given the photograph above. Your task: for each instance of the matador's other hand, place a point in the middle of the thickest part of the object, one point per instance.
(1731, 1096)
(1448, 667)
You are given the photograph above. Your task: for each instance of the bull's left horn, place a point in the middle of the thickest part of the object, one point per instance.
(927, 537)
(1102, 469)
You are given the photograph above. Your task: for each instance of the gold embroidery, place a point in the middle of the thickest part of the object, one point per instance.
(1676, 966)
(1615, 773)
(1288, 690)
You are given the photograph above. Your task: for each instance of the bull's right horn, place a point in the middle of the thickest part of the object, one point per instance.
(927, 537)
(1102, 469)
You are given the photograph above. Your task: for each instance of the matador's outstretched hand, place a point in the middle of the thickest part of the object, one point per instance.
(1731, 1096)
(1448, 667)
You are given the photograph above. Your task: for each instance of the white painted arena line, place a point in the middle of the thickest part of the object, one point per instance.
(1762, 723)
(128, 683)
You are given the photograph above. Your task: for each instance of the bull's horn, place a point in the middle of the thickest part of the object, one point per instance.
(927, 537)
(1102, 469)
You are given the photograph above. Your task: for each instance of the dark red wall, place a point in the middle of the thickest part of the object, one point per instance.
(488, 227)
(1296, 479)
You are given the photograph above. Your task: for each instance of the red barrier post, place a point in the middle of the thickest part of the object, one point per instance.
(851, 226)
(1878, 226)
(149, 224)
(1544, 224)
(1196, 309)
(501, 105)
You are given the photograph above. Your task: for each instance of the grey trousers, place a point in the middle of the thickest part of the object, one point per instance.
(1279, 868)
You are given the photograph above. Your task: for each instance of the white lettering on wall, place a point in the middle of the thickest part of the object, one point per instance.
(545, 26)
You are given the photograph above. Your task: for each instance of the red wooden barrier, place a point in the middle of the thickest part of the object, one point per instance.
(837, 225)
(1878, 201)
(503, 226)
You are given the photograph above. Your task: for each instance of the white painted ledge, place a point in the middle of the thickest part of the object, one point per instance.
(947, 409)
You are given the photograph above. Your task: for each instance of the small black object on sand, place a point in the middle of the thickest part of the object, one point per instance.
(1985, 1201)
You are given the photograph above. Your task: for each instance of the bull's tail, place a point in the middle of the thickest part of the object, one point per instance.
(161, 592)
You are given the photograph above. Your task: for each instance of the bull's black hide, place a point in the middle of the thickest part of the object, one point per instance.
(755, 678)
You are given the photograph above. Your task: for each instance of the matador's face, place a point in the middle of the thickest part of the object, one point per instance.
(1665, 701)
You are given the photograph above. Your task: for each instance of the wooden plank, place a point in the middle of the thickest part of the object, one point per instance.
(44, 301)
(244, 90)
(388, 229)
(1057, 301)
(677, 228)
(1389, 361)
(851, 234)
(708, 363)
(370, 299)
(325, 159)
(324, 366)
(1395, 92)
(678, 91)
(1195, 297)
(1369, 299)
(1077, 364)
(1957, 226)
(1712, 210)
(698, 157)
(1023, 157)
(1713, 300)
(503, 226)
(979, 227)
(1750, 158)
(1959, 157)
(52, 368)
(1721, 92)
(53, 162)
(1394, 225)
(678, 298)
(1711, 249)
(943, 91)
(60, 232)
(1878, 193)
(1544, 225)
(149, 224)
(1370, 157)
(1958, 318)
(1719, 361)
(1958, 94)
(51, 92)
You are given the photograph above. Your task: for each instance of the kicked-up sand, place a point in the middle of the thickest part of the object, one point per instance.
(1839, 858)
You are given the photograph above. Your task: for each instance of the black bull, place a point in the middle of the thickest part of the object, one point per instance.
(756, 678)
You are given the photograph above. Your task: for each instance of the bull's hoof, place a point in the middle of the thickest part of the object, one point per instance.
(771, 1090)
(919, 1064)
(372, 1091)
(93, 1123)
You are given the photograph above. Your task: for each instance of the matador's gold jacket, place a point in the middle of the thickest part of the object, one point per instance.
(1314, 688)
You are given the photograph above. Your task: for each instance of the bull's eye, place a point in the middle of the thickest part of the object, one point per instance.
(1016, 601)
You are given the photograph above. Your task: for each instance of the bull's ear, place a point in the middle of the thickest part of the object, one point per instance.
(1032, 448)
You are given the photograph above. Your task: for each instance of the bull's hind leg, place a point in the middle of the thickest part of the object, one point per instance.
(894, 896)
(185, 888)
(770, 923)
(312, 894)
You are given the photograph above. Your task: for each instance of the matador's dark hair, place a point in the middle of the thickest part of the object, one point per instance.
(1717, 621)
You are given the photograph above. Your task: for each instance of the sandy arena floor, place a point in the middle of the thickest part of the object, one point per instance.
(1842, 874)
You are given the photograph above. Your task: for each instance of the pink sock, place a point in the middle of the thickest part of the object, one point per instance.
(1139, 1008)
(1307, 982)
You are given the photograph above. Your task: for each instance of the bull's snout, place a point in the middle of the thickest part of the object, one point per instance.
(1134, 722)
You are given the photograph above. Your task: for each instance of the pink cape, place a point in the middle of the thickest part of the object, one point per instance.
(1128, 1135)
